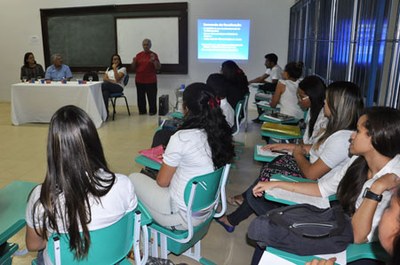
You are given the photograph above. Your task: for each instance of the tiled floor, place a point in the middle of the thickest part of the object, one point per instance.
(23, 157)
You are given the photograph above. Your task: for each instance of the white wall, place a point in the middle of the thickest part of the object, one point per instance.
(20, 31)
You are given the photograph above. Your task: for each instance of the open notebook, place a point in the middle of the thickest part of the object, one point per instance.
(155, 153)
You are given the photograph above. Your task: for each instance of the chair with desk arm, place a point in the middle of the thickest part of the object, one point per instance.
(354, 252)
(201, 192)
(109, 245)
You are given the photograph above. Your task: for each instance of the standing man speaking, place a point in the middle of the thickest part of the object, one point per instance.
(146, 65)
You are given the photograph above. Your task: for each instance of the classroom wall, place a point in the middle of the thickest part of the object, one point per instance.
(20, 31)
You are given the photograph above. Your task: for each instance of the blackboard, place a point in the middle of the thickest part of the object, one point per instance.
(86, 37)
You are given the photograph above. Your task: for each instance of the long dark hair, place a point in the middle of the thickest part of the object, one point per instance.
(383, 125)
(76, 169)
(205, 113)
(26, 64)
(120, 62)
(345, 104)
(234, 75)
(314, 88)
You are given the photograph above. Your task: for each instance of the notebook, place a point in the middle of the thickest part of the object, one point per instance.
(293, 130)
(155, 153)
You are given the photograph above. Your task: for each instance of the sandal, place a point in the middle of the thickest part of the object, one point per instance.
(236, 200)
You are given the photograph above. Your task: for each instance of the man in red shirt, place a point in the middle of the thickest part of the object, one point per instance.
(146, 65)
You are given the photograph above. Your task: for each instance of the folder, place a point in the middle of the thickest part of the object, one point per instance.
(293, 130)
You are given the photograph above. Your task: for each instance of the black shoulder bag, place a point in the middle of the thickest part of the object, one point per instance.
(303, 229)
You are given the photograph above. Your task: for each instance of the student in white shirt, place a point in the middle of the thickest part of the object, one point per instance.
(327, 156)
(80, 193)
(364, 186)
(202, 144)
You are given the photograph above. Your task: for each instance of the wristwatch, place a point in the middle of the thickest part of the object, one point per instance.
(370, 195)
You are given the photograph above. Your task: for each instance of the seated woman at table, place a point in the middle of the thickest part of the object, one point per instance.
(328, 155)
(286, 91)
(311, 96)
(113, 79)
(202, 144)
(80, 193)
(31, 69)
(237, 84)
(364, 186)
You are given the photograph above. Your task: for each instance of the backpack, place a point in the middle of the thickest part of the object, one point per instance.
(303, 229)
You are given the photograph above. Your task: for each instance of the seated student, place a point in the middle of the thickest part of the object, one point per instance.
(269, 78)
(58, 71)
(273, 72)
(388, 230)
(286, 91)
(202, 144)
(364, 185)
(113, 79)
(328, 155)
(31, 69)
(218, 84)
(237, 82)
(80, 193)
(311, 96)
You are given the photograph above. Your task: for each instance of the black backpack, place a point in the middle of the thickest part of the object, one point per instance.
(303, 229)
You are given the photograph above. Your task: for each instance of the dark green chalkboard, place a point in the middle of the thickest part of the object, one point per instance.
(86, 36)
(84, 40)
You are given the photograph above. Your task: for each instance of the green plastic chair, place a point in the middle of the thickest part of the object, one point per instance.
(109, 245)
(6, 255)
(354, 252)
(201, 192)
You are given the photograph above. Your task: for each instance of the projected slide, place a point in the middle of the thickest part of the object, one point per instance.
(223, 39)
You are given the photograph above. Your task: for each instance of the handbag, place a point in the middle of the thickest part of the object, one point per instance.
(303, 229)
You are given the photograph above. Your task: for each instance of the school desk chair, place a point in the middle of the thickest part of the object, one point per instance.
(201, 192)
(109, 245)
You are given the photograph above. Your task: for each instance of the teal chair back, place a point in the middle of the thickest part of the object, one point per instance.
(207, 187)
(109, 245)
(201, 192)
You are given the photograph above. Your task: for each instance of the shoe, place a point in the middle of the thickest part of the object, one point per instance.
(142, 113)
(257, 120)
(228, 228)
(152, 114)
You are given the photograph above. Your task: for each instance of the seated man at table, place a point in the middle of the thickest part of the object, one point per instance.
(58, 71)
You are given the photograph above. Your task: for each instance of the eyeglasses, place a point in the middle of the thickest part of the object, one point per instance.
(302, 98)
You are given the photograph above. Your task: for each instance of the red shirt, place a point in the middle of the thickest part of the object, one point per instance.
(145, 70)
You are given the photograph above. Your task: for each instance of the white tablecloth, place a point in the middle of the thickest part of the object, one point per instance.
(38, 102)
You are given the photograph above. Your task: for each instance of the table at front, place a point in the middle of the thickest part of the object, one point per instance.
(38, 102)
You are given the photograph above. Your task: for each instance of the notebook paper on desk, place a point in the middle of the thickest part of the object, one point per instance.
(279, 117)
(288, 197)
(269, 153)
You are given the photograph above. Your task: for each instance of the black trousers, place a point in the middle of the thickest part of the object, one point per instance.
(151, 91)
(108, 88)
